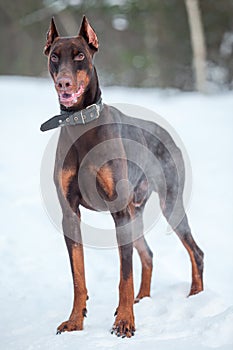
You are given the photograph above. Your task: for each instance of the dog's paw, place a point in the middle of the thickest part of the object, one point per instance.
(195, 289)
(140, 296)
(124, 325)
(123, 329)
(136, 300)
(69, 326)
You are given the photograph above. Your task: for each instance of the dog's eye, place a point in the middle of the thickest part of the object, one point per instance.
(54, 58)
(79, 57)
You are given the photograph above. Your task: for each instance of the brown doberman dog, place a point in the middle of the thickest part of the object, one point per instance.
(94, 169)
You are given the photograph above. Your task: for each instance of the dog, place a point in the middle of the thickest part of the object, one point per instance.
(94, 169)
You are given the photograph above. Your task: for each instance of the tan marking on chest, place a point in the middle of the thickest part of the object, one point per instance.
(66, 175)
(105, 179)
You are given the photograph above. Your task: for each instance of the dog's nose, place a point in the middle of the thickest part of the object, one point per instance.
(64, 83)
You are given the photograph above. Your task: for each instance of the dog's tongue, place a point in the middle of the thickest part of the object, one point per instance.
(69, 100)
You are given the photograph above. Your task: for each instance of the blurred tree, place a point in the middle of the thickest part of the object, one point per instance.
(198, 43)
(142, 43)
(20, 44)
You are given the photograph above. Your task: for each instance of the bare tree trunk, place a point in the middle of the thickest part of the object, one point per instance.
(198, 43)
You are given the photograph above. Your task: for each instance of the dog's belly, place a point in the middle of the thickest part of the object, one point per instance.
(101, 206)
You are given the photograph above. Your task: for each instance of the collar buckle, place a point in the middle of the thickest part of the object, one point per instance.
(90, 113)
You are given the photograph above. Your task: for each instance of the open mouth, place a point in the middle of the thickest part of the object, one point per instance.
(69, 99)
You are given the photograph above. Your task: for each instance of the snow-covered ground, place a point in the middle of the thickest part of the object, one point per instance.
(36, 286)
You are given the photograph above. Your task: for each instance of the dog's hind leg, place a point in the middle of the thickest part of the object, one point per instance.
(173, 210)
(146, 257)
(170, 190)
(196, 255)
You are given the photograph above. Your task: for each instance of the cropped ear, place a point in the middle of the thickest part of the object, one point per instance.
(88, 33)
(52, 34)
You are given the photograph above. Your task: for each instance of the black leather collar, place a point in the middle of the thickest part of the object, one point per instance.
(66, 118)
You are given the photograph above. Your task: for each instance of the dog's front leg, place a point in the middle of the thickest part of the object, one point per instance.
(124, 323)
(71, 228)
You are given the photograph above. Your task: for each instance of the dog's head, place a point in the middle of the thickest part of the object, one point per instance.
(70, 61)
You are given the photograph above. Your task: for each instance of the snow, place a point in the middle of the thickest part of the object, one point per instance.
(36, 287)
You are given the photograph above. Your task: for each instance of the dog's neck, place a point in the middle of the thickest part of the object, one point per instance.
(90, 96)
